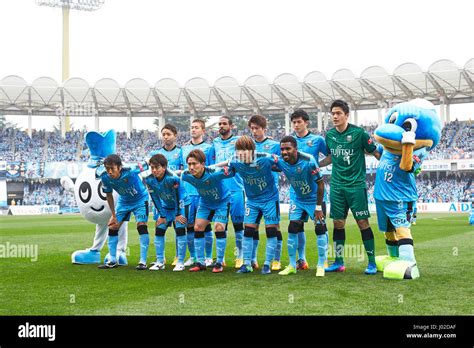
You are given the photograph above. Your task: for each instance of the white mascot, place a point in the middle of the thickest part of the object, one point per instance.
(92, 201)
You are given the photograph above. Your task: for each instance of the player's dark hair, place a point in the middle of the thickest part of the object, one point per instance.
(201, 123)
(113, 160)
(245, 143)
(228, 119)
(289, 139)
(198, 155)
(299, 113)
(159, 160)
(171, 128)
(338, 103)
(259, 120)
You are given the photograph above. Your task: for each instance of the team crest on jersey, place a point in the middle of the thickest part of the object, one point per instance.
(299, 170)
(309, 143)
(349, 138)
(176, 155)
(207, 182)
(266, 147)
(125, 180)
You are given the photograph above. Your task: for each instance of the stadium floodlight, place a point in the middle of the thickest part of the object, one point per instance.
(66, 5)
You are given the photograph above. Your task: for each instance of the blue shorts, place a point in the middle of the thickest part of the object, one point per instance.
(193, 208)
(170, 216)
(269, 210)
(218, 213)
(237, 206)
(300, 211)
(140, 210)
(391, 215)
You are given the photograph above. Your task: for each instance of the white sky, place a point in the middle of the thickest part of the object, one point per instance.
(183, 39)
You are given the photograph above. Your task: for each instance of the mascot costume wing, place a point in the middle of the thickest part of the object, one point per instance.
(411, 129)
(92, 201)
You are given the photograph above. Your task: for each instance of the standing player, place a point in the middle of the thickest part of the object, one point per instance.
(258, 127)
(262, 199)
(303, 174)
(347, 145)
(198, 128)
(133, 198)
(172, 152)
(172, 205)
(223, 149)
(213, 206)
(314, 145)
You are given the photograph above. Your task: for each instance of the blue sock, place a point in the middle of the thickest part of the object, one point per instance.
(322, 249)
(239, 236)
(406, 252)
(292, 247)
(199, 245)
(144, 242)
(270, 250)
(277, 256)
(190, 238)
(160, 248)
(247, 250)
(301, 245)
(181, 241)
(254, 249)
(209, 243)
(112, 244)
(221, 244)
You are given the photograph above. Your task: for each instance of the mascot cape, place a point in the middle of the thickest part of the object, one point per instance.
(410, 128)
(92, 202)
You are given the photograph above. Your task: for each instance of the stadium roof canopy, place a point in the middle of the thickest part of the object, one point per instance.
(443, 83)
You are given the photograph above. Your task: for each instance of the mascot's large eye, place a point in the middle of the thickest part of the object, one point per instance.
(393, 117)
(85, 192)
(410, 124)
(100, 192)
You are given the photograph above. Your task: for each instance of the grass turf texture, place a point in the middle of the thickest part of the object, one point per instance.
(444, 247)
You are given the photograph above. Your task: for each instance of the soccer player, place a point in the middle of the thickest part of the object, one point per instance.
(172, 152)
(258, 126)
(213, 206)
(223, 149)
(172, 205)
(314, 145)
(133, 198)
(198, 129)
(303, 174)
(347, 145)
(262, 200)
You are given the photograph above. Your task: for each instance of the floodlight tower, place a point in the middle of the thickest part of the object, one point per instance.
(66, 5)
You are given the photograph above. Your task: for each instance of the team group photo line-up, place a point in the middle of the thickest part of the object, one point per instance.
(236, 178)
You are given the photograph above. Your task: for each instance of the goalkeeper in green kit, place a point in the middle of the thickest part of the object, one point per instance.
(347, 145)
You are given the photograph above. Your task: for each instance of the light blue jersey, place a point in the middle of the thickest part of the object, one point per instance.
(222, 151)
(303, 177)
(168, 193)
(210, 185)
(173, 156)
(185, 150)
(257, 178)
(314, 145)
(394, 184)
(273, 148)
(129, 185)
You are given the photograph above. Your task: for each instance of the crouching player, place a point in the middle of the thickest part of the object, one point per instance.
(302, 172)
(172, 207)
(133, 198)
(213, 206)
(262, 200)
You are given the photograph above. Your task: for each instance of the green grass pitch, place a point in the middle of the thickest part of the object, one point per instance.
(444, 247)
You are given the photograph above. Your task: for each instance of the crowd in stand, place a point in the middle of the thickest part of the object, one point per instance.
(47, 193)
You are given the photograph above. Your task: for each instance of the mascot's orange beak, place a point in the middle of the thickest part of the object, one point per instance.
(406, 162)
